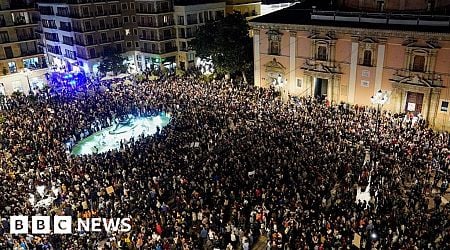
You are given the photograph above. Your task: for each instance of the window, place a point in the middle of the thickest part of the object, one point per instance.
(444, 106)
(92, 53)
(367, 60)
(274, 48)
(418, 63)
(100, 10)
(133, 18)
(128, 44)
(8, 52)
(132, 6)
(365, 73)
(135, 32)
(12, 67)
(4, 37)
(124, 6)
(322, 53)
(125, 19)
(104, 37)
(181, 20)
(137, 44)
(299, 82)
(365, 83)
(127, 32)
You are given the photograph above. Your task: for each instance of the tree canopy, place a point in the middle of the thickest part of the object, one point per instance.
(228, 44)
(112, 62)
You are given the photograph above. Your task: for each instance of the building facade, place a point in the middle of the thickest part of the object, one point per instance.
(348, 57)
(395, 5)
(249, 8)
(189, 18)
(20, 56)
(79, 32)
(150, 33)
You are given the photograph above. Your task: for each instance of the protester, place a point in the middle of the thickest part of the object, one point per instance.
(288, 172)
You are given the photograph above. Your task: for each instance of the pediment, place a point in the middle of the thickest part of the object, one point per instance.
(275, 66)
(368, 40)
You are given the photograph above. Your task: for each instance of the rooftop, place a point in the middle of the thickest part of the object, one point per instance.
(305, 15)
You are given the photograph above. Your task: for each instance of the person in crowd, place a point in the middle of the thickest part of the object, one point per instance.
(287, 172)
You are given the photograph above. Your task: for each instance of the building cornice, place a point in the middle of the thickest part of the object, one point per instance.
(352, 31)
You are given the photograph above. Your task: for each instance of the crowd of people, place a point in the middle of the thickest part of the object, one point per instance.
(288, 172)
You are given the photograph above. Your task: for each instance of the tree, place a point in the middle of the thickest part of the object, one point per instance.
(228, 44)
(112, 61)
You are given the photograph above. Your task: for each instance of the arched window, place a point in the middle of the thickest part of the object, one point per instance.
(418, 63)
(322, 53)
(367, 60)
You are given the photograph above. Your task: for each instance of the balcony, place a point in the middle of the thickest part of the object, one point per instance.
(83, 30)
(17, 5)
(50, 27)
(154, 11)
(192, 21)
(75, 1)
(73, 57)
(156, 25)
(5, 40)
(66, 28)
(63, 14)
(159, 51)
(53, 39)
(70, 43)
(3, 23)
(27, 37)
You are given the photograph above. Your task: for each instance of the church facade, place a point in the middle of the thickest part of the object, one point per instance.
(348, 57)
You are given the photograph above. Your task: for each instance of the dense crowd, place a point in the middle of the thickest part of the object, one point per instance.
(262, 168)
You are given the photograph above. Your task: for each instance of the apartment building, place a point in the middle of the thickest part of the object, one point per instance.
(157, 35)
(20, 55)
(189, 17)
(79, 32)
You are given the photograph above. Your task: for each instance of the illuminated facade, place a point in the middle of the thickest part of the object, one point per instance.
(247, 8)
(157, 35)
(347, 57)
(189, 18)
(20, 56)
(78, 32)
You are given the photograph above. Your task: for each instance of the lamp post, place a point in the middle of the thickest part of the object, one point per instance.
(27, 74)
(379, 99)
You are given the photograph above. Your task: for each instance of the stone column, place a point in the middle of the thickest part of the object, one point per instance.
(379, 68)
(292, 59)
(353, 66)
(256, 58)
(336, 89)
(433, 106)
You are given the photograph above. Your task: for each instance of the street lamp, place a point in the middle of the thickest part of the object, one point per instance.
(27, 74)
(379, 99)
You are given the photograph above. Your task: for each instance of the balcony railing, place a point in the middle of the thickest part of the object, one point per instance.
(158, 51)
(27, 37)
(17, 5)
(74, 57)
(156, 25)
(50, 26)
(64, 28)
(70, 43)
(153, 11)
(53, 39)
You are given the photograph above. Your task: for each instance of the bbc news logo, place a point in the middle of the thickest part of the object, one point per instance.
(63, 225)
